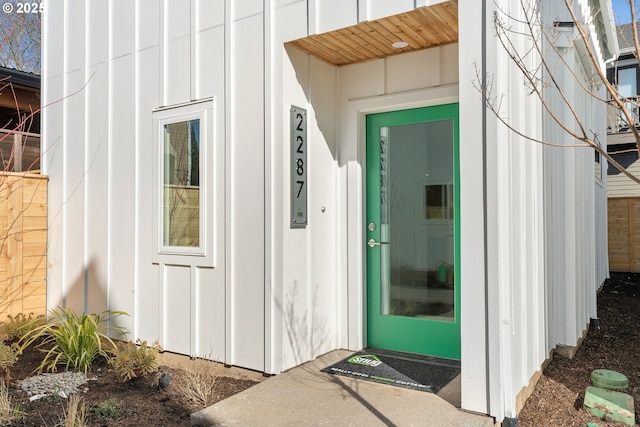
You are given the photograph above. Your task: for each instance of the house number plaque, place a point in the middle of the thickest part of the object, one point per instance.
(298, 123)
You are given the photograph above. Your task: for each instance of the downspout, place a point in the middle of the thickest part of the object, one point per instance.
(484, 201)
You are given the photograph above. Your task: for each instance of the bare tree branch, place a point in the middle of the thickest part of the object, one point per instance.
(20, 41)
(542, 77)
(613, 92)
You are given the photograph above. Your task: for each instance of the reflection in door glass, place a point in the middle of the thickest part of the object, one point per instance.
(417, 220)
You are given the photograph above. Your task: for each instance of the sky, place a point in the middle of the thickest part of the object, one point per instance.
(621, 11)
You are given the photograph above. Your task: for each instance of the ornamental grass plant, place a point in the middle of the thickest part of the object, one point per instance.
(73, 340)
(9, 411)
(75, 414)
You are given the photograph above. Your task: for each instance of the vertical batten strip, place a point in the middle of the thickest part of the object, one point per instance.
(193, 49)
(193, 312)
(267, 186)
(137, 147)
(226, 107)
(86, 210)
(161, 62)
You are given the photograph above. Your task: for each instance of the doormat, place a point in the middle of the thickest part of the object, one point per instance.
(399, 369)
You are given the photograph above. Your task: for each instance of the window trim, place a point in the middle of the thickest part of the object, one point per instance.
(598, 167)
(202, 255)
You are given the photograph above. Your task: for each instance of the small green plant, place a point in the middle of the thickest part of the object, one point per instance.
(74, 340)
(8, 410)
(107, 409)
(8, 358)
(133, 361)
(19, 325)
(75, 415)
(52, 397)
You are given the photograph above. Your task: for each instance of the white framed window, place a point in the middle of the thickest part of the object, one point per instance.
(183, 184)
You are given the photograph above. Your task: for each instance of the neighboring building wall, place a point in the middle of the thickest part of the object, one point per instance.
(623, 193)
(618, 184)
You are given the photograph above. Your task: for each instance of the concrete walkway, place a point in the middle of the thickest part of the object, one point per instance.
(304, 396)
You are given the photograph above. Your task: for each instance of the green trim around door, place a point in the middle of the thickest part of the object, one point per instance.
(413, 231)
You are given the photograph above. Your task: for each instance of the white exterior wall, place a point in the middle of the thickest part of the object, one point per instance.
(321, 268)
(278, 296)
(268, 276)
(546, 212)
(577, 260)
(515, 225)
(476, 314)
(98, 143)
(305, 302)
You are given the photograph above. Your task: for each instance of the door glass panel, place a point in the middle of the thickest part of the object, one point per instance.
(417, 220)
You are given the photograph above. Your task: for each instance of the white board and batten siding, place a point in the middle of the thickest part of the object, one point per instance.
(117, 62)
(113, 62)
(546, 252)
(274, 296)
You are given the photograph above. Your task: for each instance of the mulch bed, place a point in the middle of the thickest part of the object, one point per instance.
(558, 397)
(556, 401)
(142, 402)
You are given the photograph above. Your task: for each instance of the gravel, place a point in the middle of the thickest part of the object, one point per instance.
(62, 384)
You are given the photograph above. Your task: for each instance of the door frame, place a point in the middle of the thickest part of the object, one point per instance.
(354, 269)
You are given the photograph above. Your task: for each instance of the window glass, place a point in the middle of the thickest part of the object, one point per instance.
(181, 201)
(627, 83)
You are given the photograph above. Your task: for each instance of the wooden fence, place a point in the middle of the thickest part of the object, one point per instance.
(624, 234)
(23, 244)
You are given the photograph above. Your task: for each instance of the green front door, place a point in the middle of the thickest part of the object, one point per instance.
(413, 229)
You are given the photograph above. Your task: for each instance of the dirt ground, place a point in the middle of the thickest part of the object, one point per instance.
(558, 397)
(556, 401)
(142, 402)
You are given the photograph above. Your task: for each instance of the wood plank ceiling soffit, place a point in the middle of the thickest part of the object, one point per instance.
(421, 28)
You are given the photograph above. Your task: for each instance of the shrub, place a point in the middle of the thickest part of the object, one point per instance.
(8, 358)
(199, 382)
(8, 355)
(19, 325)
(133, 361)
(108, 409)
(74, 340)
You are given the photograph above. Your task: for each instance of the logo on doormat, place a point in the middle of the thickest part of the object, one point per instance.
(365, 359)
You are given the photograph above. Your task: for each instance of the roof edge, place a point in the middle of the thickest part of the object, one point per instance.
(606, 9)
(20, 77)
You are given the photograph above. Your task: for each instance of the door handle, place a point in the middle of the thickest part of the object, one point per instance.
(372, 243)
